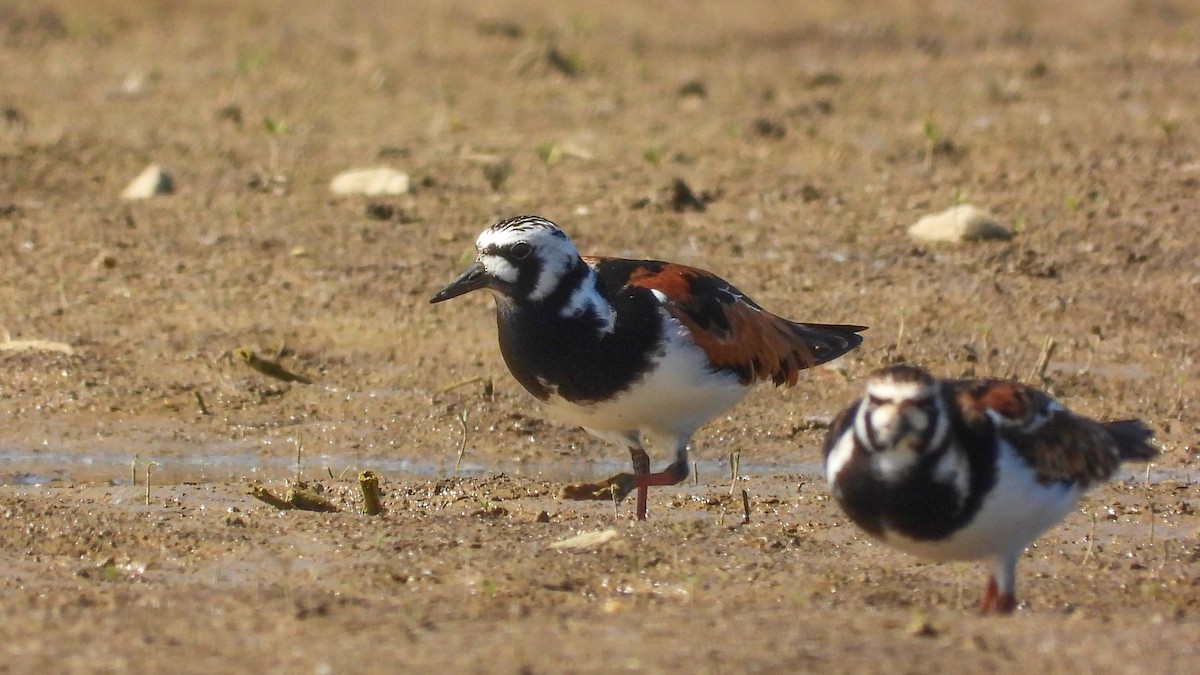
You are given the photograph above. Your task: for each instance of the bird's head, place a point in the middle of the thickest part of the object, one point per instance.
(901, 409)
(520, 260)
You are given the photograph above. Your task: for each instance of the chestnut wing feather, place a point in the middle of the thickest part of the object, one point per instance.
(1058, 444)
(735, 333)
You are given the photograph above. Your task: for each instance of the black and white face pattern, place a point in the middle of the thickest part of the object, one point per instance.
(902, 414)
(526, 257)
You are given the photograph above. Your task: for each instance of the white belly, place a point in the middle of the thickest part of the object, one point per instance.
(1014, 513)
(678, 395)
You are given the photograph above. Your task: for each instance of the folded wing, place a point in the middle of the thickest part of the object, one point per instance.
(735, 333)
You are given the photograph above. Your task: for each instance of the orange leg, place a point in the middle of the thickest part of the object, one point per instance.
(993, 599)
(1006, 603)
(672, 475)
(641, 470)
(619, 486)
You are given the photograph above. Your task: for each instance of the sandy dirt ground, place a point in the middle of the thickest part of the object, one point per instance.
(811, 134)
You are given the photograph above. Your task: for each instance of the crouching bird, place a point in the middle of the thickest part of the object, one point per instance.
(972, 469)
(633, 351)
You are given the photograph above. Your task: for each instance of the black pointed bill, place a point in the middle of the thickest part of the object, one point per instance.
(475, 278)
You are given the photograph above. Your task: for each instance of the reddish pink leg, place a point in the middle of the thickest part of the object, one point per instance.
(993, 599)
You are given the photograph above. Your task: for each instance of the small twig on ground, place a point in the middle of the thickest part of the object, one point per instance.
(462, 446)
(368, 482)
(299, 456)
(264, 495)
(462, 383)
(200, 403)
(1043, 362)
(735, 463)
(1166, 546)
(268, 367)
(1150, 503)
(148, 465)
(962, 584)
(1091, 542)
(1095, 345)
(745, 507)
(1176, 410)
(696, 474)
(62, 291)
(307, 500)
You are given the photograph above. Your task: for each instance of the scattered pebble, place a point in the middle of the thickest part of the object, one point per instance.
(378, 181)
(153, 180)
(961, 223)
(586, 541)
(133, 84)
(36, 346)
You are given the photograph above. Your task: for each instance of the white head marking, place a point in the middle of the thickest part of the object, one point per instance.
(555, 253)
(895, 417)
(497, 266)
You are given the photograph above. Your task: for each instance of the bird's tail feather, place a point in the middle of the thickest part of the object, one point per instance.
(1133, 439)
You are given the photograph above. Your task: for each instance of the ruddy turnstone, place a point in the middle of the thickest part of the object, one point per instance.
(968, 469)
(633, 351)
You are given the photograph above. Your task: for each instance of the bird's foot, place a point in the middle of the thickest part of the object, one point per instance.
(615, 488)
(994, 600)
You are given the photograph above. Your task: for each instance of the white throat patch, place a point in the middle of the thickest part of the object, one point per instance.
(586, 298)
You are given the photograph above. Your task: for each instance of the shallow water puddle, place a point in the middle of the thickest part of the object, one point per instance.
(25, 467)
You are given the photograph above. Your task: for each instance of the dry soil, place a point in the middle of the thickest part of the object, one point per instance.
(810, 134)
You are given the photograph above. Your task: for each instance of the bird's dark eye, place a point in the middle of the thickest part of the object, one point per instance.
(521, 250)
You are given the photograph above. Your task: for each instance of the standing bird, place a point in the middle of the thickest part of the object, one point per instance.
(633, 351)
(968, 469)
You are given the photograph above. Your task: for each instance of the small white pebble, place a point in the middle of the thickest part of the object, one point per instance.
(377, 181)
(961, 223)
(153, 180)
